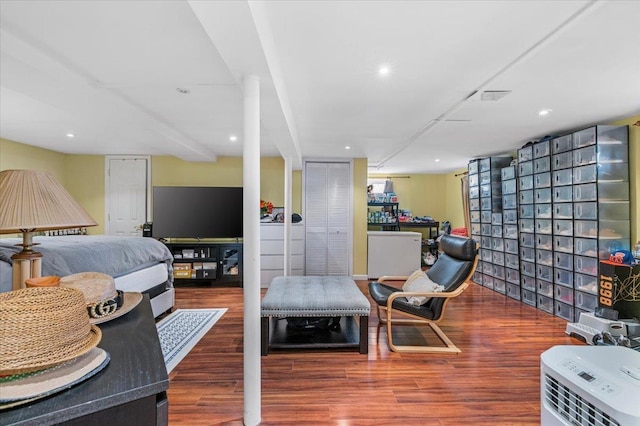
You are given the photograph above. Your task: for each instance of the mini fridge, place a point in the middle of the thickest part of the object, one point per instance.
(393, 253)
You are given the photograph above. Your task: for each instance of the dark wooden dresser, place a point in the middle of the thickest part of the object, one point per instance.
(131, 390)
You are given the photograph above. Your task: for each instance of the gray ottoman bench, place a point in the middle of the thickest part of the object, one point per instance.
(314, 296)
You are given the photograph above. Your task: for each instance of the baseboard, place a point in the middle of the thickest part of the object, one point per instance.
(360, 277)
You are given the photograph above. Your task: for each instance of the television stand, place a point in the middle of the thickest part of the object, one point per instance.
(214, 263)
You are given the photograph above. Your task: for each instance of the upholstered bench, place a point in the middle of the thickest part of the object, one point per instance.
(314, 296)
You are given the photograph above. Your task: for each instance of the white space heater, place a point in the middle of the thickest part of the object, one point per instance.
(590, 385)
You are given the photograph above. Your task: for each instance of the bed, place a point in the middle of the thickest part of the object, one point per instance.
(137, 263)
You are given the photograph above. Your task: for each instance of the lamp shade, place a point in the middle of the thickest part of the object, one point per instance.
(32, 200)
(388, 186)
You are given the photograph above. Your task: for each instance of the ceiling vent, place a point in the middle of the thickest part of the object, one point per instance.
(494, 95)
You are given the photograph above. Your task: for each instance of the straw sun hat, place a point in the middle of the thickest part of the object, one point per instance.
(103, 301)
(43, 327)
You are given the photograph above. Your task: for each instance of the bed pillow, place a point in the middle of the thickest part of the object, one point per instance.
(421, 284)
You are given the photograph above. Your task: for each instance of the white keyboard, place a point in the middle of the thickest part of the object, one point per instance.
(581, 332)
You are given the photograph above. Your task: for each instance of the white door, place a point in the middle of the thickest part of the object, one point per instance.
(328, 218)
(127, 189)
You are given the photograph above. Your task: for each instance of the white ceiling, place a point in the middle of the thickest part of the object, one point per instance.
(107, 71)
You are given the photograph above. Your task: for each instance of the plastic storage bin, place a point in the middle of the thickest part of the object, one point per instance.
(562, 144)
(563, 194)
(528, 269)
(544, 257)
(511, 260)
(542, 180)
(564, 310)
(544, 242)
(542, 165)
(525, 168)
(498, 272)
(513, 291)
(543, 211)
(528, 283)
(563, 177)
(542, 195)
(564, 294)
(563, 261)
(526, 197)
(585, 265)
(511, 246)
(544, 226)
(497, 244)
(527, 240)
(508, 173)
(541, 149)
(497, 257)
(510, 216)
(563, 277)
(586, 301)
(525, 153)
(563, 227)
(586, 283)
(526, 211)
(562, 161)
(585, 247)
(529, 297)
(545, 304)
(544, 272)
(527, 254)
(586, 155)
(509, 186)
(563, 244)
(509, 201)
(586, 228)
(527, 225)
(586, 192)
(563, 211)
(584, 137)
(510, 231)
(499, 286)
(585, 174)
(526, 182)
(544, 288)
(512, 276)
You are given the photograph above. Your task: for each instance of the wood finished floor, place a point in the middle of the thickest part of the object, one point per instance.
(495, 380)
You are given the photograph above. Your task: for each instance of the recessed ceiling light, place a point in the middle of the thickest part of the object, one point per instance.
(437, 160)
(544, 112)
(384, 71)
(233, 138)
(71, 135)
(183, 91)
(347, 147)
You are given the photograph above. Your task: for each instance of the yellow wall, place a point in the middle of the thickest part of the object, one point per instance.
(14, 155)
(227, 171)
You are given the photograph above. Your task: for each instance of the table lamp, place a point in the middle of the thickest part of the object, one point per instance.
(31, 201)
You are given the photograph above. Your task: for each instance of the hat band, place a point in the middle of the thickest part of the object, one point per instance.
(106, 307)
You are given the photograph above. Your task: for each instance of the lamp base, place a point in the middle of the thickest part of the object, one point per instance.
(26, 264)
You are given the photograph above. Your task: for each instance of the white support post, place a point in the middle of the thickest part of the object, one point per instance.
(251, 250)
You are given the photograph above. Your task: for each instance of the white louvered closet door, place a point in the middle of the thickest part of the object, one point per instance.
(327, 218)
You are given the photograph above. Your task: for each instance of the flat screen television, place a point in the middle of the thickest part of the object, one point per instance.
(197, 212)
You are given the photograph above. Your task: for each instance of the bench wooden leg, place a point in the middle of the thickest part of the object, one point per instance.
(264, 334)
(364, 334)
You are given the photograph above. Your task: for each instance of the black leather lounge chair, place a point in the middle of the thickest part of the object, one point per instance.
(453, 269)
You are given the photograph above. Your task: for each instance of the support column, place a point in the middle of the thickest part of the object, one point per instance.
(287, 214)
(251, 249)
